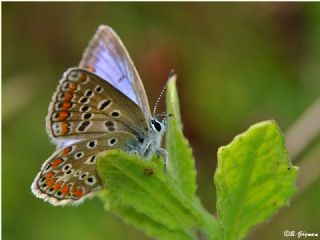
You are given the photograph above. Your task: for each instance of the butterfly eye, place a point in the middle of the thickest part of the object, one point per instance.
(156, 125)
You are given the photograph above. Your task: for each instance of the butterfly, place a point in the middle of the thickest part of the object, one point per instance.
(100, 105)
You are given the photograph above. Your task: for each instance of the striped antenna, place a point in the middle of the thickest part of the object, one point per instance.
(162, 92)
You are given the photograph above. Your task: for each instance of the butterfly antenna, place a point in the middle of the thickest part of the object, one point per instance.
(161, 93)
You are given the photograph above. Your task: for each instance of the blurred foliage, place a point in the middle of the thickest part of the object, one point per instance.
(237, 63)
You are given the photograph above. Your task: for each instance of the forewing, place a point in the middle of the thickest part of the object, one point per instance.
(108, 58)
(69, 175)
(85, 106)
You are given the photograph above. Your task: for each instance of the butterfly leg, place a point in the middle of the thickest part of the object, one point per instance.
(164, 154)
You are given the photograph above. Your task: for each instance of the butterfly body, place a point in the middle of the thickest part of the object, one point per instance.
(98, 106)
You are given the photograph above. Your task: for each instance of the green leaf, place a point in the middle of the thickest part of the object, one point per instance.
(181, 162)
(144, 196)
(254, 179)
(161, 204)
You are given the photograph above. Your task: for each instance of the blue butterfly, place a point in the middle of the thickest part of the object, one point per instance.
(97, 106)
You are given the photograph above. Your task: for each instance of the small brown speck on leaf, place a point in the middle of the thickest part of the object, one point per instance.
(148, 171)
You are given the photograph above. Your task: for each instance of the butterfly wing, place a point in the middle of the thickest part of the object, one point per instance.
(108, 58)
(69, 175)
(85, 106)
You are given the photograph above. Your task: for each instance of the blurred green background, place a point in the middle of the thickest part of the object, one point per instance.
(237, 64)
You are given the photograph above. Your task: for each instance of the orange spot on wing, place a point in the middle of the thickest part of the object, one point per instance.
(50, 182)
(64, 128)
(67, 96)
(66, 105)
(72, 87)
(83, 77)
(78, 193)
(49, 175)
(66, 150)
(64, 189)
(91, 68)
(56, 163)
(63, 116)
(57, 186)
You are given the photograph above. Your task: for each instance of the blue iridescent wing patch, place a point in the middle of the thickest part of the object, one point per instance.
(107, 57)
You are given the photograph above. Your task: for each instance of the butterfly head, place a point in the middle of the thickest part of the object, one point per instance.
(159, 124)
